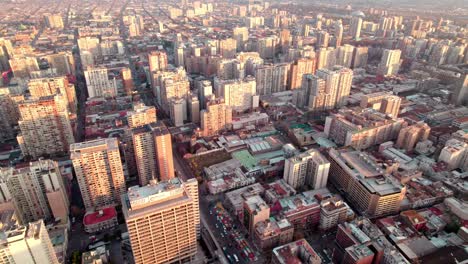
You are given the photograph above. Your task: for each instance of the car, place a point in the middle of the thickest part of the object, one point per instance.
(236, 258)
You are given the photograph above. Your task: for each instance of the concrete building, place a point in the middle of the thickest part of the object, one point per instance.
(272, 78)
(390, 62)
(163, 221)
(459, 97)
(344, 55)
(141, 115)
(6, 53)
(255, 211)
(365, 184)
(383, 102)
(322, 39)
(37, 192)
(178, 111)
(299, 68)
(127, 80)
(360, 56)
(23, 66)
(153, 153)
(411, 135)
(308, 168)
(227, 48)
(361, 129)
(216, 118)
(193, 107)
(273, 233)
(326, 58)
(204, 92)
(25, 243)
(99, 172)
(51, 86)
(338, 33)
(238, 94)
(157, 61)
(62, 62)
(54, 21)
(9, 115)
(455, 154)
(45, 126)
(173, 88)
(356, 25)
(100, 220)
(298, 251)
(333, 211)
(99, 84)
(91, 45)
(241, 35)
(328, 88)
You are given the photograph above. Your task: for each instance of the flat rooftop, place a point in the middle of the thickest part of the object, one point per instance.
(138, 197)
(102, 215)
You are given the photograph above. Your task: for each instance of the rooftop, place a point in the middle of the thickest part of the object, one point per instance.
(102, 215)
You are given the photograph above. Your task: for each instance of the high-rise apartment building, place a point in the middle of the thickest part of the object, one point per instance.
(360, 56)
(36, 191)
(322, 39)
(216, 117)
(307, 168)
(23, 66)
(91, 45)
(345, 55)
(205, 90)
(272, 78)
(62, 62)
(141, 115)
(326, 58)
(299, 68)
(338, 32)
(157, 61)
(6, 53)
(356, 25)
(363, 180)
(164, 157)
(362, 129)
(390, 62)
(54, 21)
(159, 80)
(9, 114)
(28, 243)
(163, 221)
(45, 126)
(98, 169)
(51, 86)
(99, 84)
(411, 135)
(266, 46)
(337, 85)
(241, 35)
(460, 96)
(238, 94)
(127, 80)
(383, 102)
(455, 154)
(391, 105)
(317, 93)
(193, 108)
(227, 48)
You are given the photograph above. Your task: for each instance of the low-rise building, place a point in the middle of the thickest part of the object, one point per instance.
(103, 219)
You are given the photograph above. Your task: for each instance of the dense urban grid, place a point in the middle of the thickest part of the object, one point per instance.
(239, 131)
